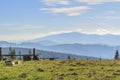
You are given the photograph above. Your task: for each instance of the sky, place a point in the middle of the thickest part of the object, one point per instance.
(28, 19)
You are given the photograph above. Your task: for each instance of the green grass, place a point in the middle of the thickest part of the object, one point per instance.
(62, 70)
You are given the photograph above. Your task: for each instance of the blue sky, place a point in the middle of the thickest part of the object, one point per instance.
(29, 19)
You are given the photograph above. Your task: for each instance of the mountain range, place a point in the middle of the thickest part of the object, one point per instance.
(74, 43)
(75, 37)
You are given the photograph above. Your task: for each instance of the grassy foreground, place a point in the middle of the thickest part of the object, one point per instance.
(61, 70)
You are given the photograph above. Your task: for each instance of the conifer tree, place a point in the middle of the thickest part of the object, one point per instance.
(116, 55)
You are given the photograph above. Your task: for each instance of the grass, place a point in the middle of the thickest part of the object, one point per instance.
(62, 70)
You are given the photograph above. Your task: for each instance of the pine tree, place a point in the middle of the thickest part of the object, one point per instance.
(116, 55)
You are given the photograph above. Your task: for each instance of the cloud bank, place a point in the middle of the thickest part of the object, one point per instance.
(66, 2)
(71, 11)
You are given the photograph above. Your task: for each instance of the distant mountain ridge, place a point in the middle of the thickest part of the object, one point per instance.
(75, 37)
(86, 50)
(74, 43)
(75, 49)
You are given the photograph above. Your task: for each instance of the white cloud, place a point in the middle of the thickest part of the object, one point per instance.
(100, 31)
(103, 31)
(54, 2)
(72, 11)
(64, 31)
(97, 1)
(66, 2)
(58, 32)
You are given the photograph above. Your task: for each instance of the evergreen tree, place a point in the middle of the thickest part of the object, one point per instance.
(116, 55)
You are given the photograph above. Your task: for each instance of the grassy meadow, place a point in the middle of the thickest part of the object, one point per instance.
(62, 70)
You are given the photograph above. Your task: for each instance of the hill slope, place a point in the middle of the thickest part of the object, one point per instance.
(75, 49)
(87, 50)
(48, 54)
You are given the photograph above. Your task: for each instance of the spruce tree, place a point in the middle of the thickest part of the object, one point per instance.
(116, 55)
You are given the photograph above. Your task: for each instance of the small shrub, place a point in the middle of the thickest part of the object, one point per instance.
(40, 70)
(71, 69)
